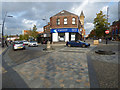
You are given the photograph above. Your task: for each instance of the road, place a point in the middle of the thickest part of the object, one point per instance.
(63, 67)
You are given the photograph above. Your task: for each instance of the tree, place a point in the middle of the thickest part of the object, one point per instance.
(34, 32)
(34, 28)
(92, 34)
(100, 24)
(26, 36)
(21, 37)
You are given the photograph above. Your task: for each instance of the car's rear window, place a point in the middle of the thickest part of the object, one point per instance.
(32, 42)
(18, 42)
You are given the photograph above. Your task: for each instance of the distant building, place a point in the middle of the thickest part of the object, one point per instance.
(13, 38)
(27, 32)
(65, 26)
(115, 30)
(119, 10)
(45, 36)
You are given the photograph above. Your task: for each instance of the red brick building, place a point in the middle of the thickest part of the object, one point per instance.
(66, 26)
(45, 36)
(115, 30)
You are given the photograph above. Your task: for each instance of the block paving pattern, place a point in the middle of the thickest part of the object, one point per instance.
(57, 69)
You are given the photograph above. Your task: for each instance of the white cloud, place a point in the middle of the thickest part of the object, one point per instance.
(88, 27)
(77, 10)
(39, 29)
(29, 23)
(104, 9)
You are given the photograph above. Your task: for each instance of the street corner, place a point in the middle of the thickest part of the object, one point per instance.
(3, 70)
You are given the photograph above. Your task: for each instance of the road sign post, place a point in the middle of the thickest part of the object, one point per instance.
(107, 32)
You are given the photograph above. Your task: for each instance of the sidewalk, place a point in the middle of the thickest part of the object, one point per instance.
(3, 49)
(106, 66)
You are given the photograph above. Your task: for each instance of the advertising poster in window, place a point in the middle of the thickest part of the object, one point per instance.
(72, 37)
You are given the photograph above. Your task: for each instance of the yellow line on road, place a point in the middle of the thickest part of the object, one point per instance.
(3, 70)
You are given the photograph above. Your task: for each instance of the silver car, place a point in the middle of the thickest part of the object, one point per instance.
(25, 42)
(32, 43)
(18, 45)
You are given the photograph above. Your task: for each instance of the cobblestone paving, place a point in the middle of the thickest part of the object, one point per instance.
(58, 69)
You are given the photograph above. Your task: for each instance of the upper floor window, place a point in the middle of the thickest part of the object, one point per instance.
(73, 20)
(58, 21)
(65, 20)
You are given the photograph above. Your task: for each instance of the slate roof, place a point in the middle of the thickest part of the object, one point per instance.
(64, 13)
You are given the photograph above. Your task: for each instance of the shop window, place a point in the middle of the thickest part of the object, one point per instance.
(65, 20)
(58, 21)
(73, 36)
(73, 20)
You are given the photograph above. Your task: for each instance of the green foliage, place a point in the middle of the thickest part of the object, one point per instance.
(32, 33)
(26, 36)
(92, 34)
(34, 28)
(21, 37)
(100, 24)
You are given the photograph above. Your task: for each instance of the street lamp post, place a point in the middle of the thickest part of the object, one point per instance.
(107, 24)
(3, 28)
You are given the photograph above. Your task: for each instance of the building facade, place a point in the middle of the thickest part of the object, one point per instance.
(66, 26)
(46, 35)
(119, 10)
(115, 30)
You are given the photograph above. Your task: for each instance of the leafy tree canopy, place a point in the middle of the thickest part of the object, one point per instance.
(100, 24)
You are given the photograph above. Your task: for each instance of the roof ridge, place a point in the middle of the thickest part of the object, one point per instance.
(64, 12)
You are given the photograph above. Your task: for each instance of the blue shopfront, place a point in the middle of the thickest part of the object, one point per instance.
(64, 34)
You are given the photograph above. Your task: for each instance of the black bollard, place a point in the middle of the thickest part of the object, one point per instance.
(106, 41)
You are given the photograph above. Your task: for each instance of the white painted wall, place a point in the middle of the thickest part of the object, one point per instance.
(66, 36)
(55, 37)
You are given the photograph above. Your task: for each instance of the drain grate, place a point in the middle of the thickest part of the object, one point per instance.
(104, 52)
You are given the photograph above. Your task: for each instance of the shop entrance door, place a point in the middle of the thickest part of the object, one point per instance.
(61, 37)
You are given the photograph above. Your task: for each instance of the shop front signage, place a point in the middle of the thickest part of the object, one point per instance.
(61, 30)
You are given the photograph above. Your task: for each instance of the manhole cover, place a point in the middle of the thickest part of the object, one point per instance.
(105, 52)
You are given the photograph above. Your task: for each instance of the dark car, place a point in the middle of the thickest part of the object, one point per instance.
(77, 44)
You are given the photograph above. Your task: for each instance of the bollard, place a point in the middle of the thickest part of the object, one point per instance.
(96, 42)
(48, 45)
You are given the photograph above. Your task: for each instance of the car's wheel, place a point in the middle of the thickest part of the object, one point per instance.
(14, 49)
(83, 45)
(69, 45)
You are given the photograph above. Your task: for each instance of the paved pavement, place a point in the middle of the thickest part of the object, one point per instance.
(63, 67)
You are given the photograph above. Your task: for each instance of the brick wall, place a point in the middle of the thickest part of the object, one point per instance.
(47, 28)
(53, 21)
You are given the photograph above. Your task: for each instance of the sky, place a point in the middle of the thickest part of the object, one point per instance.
(27, 14)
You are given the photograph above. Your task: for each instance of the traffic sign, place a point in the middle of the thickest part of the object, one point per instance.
(107, 31)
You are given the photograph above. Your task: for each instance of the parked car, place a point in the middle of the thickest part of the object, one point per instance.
(25, 42)
(77, 44)
(18, 45)
(32, 43)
